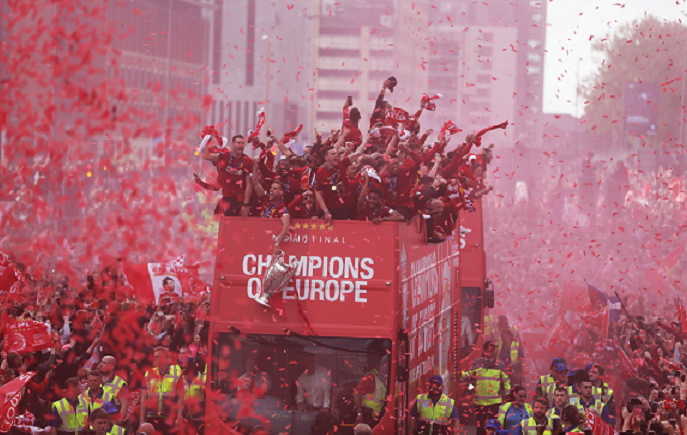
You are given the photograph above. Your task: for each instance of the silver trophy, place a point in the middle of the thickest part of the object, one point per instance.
(276, 278)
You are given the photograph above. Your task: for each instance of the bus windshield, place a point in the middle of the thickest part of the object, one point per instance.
(294, 384)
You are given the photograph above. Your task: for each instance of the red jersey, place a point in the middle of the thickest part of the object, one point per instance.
(326, 180)
(274, 211)
(369, 214)
(398, 188)
(232, 174)
(306, 175)
(299, 210)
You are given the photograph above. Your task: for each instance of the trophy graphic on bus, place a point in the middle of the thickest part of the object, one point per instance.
(276, 278)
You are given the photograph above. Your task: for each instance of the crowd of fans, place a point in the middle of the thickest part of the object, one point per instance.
(113, 365)
(387, 175)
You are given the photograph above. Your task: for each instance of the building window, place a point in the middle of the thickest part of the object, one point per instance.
(484, 92)
(534, 43)
(488, 37)
(535, 3)
(533, 70)
(534, 57)
(485, 66)
(483, 79)
(485, 51)
(536, 17)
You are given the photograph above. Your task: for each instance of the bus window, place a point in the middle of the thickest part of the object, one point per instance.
(471, 320)
(292, 384)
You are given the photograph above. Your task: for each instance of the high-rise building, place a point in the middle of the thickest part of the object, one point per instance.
(353, 53)
(265, 63)
(487, 59)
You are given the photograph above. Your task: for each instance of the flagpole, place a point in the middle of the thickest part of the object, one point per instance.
(624, 309)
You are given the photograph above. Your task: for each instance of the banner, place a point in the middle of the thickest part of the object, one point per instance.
(597, 425)
(597, 322)
(627, 367)
(398, 115)
(27, 336)
(10, 396)
(559, 338)
(134, 397)
(167, 280)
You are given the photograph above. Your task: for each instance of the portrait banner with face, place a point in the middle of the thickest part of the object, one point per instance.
(164, 280)
(150, 281)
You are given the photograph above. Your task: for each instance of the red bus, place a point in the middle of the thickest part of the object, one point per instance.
(365, 298)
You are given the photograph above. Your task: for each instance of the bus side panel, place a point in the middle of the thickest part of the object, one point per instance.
(426, 276)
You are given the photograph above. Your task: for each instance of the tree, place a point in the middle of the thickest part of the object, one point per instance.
(649, 50)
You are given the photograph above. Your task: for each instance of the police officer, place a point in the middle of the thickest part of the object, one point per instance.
(553, 379)
(560, 401)
(436, 413)
(510, 354)
(162, 395)
(194, 392)
(538, 423)
(96, 396)
(69, 414)
(600, 390)
(560, 380)
(115, 385)
(369, 396)
(492, 384)
(102, 424)
(586, 400)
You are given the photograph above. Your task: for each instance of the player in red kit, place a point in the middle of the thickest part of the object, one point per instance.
(398, 182)
(329, 183)
(233, 168)
(272, 204)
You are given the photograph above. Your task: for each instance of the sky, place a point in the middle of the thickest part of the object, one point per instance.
(569, 50)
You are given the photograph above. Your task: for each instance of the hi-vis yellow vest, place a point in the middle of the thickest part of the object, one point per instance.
(375, 401)
(488, 391)
(529, 426)
(73, 419)
(431, 414)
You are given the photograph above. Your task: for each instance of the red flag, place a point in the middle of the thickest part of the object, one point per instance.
(671, 259)
(27, 336)
(10, 396)
(134, 397)
(559, 337)
(597, 322)
(681, 315)
(291, 134)
(261, 121)
(627, 367)
(427, 101)
(575, 297)
(597, 425)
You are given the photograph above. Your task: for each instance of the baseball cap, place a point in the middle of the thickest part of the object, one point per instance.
(436, 379)
(559, 367)
(557, 361)
(493, 424)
